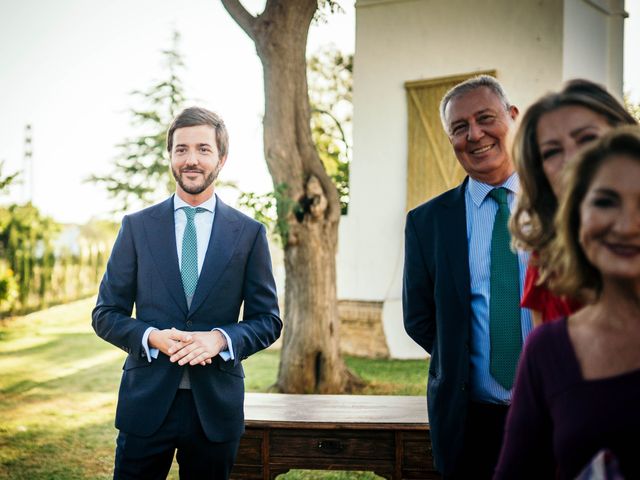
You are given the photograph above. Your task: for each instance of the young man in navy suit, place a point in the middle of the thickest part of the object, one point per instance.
(462, 284)
(188, 265)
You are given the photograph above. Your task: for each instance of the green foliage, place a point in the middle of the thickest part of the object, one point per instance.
(272, 209)
(285, 206)
(97, 230)
(330, 75)
(5, 182)
(34, 271)
(325, 9)
(8, 288)
(141, 171)
(37, 270)
(26, 239)
(262, 205)
(632, 108)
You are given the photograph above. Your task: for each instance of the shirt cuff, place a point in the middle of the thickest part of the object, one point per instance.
(149, 352)
(227, 354)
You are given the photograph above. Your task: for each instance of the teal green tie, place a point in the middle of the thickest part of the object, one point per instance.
(505, 329)
(189, 267)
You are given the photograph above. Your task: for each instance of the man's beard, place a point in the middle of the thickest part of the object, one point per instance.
(196, 189)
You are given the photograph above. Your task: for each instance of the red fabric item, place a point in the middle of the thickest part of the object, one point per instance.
(539, 298)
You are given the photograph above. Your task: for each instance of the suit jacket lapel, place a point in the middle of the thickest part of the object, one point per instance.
(457, 245)
(222, 244)
(161, 237)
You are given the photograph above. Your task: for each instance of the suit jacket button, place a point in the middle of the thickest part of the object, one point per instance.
(189, 323)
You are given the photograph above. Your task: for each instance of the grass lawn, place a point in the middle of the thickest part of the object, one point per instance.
(58, 387)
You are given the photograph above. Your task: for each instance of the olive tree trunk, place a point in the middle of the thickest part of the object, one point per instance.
(310, 360)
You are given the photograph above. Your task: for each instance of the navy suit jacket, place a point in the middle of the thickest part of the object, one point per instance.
(437, 314)
(143, 271)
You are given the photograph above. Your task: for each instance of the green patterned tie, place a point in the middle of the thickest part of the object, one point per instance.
(189, 267)
(505, 329)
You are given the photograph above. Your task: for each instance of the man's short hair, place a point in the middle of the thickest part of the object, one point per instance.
(196, 116)
(468, 86)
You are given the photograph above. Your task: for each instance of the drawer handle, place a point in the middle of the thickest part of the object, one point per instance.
(330, 446)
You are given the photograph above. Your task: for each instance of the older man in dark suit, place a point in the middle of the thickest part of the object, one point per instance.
(462, 284)
(188, 264)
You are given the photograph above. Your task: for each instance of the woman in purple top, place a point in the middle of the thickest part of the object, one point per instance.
(578, 384)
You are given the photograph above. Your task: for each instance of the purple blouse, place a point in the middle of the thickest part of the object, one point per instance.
(558, 421)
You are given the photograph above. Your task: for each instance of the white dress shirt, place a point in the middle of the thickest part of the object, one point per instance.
(204, 223)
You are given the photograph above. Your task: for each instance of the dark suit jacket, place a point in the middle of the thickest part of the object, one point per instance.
(437, 314)
(143, 270)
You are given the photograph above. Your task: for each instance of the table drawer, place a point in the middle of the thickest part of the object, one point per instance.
(360, 444)
(420, 475)
(416, 450)
(417, 458)
(241, 472)
(250, 449)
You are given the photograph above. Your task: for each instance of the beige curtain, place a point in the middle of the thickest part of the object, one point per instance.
(432, 167)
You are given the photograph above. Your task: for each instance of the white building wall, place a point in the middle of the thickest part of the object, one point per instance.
(593, 38)
(403, 40)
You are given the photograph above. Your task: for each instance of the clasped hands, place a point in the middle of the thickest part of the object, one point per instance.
(194, 348)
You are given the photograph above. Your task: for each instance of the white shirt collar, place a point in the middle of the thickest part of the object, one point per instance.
(479, 190)
(209, 205)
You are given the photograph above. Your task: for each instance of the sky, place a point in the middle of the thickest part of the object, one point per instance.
(68, 67)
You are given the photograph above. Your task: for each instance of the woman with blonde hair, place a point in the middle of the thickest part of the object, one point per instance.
(552, 130)
(577, 389)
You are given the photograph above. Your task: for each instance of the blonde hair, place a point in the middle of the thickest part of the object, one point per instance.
(569, 272)
(531, 224)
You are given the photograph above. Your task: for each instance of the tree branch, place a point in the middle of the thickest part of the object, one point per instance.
(241, 16)
(330, 189)
(336, 122)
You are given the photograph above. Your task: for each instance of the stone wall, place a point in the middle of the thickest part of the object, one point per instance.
(361, 332)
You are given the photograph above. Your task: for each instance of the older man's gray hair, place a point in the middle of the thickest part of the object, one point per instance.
(469, 85)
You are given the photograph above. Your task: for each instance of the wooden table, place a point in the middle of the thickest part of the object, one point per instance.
(388, 435)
